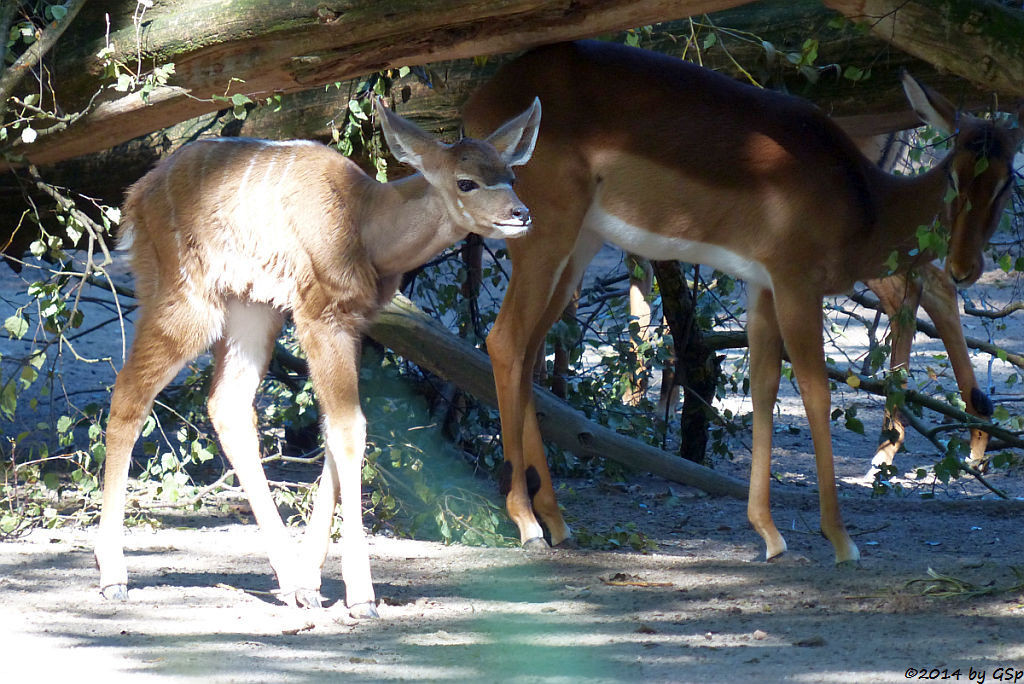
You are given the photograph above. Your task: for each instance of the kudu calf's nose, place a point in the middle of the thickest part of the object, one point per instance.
(522, 213)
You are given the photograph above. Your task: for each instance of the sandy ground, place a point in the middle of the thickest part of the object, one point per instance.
(701, 608)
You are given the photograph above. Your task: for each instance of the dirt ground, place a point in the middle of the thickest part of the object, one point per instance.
(704, 607)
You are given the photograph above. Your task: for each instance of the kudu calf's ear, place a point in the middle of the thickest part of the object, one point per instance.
(516, 138)
(406, 141)
(932, 108)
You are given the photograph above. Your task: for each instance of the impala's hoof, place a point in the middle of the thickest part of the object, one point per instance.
(535, 544)
(364, 611)
(981, 464)
(115, 592)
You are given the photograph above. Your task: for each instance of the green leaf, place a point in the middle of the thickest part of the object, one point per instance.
(58, 12)
(855, 425)
(980, 166)
(710, 40)
(64, 424)
(16, 326)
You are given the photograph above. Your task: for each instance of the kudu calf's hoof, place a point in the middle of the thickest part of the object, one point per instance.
(301, 598)
(115, 592)
(364, 611)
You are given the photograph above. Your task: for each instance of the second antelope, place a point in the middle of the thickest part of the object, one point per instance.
(900, 295)
(669, 160)
(228, 235)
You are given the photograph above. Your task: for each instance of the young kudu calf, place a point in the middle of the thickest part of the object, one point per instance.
(227, 236)
(670, 160)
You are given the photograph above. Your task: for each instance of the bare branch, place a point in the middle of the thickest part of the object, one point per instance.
(30, 58)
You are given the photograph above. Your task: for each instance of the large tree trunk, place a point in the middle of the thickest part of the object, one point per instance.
(978, 40)
(280, 48)
(261, 49)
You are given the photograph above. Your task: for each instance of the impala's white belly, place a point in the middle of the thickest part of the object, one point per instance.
(661, 247)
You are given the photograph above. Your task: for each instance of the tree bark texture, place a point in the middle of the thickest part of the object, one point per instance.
(696, 368)
(980, 40)
(259, 49)
(418, 338)
(265, 48)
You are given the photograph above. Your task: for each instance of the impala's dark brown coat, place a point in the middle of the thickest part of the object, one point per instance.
(669, 160)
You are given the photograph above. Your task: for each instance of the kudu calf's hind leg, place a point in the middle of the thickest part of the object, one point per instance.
(155, 358)
(241, 358)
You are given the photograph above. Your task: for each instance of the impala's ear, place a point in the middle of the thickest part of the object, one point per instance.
(517, 137)
(406, 141)
(933, 109)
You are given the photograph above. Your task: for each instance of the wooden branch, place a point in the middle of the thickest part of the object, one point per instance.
(417, 337)
(973, 342)
(289, 47)
(979, 40)
(1001, 313)
(30, 58)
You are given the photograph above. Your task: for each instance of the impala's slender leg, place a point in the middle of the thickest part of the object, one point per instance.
(331, 343)
(800, 321)
(940, 301)
(241, 359)
(899, 295)
(545, 504)
(543, 271)
(512, 351)
(156, 357)
(765, 371)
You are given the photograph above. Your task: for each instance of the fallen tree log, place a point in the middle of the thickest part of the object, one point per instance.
(415, 336)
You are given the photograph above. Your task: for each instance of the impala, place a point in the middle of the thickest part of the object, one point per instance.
(669, 160)
(227, 236)
(931, 288)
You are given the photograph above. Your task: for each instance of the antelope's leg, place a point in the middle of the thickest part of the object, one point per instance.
(545, 504)
(512, 349)
(331, 344)
(765, 370)
(800, 321)
(899, 296)
(156, 357)
(241, 359)
(940, 301)
(540, 286)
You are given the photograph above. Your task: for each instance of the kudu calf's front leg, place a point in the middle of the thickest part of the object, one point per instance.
(332, 344)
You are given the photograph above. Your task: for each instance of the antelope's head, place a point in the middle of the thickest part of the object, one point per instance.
(980, 173)
(474, 177)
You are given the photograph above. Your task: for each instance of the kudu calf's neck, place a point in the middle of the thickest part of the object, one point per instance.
(404, 223)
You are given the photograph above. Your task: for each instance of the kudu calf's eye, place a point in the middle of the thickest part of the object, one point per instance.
(466, 185)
